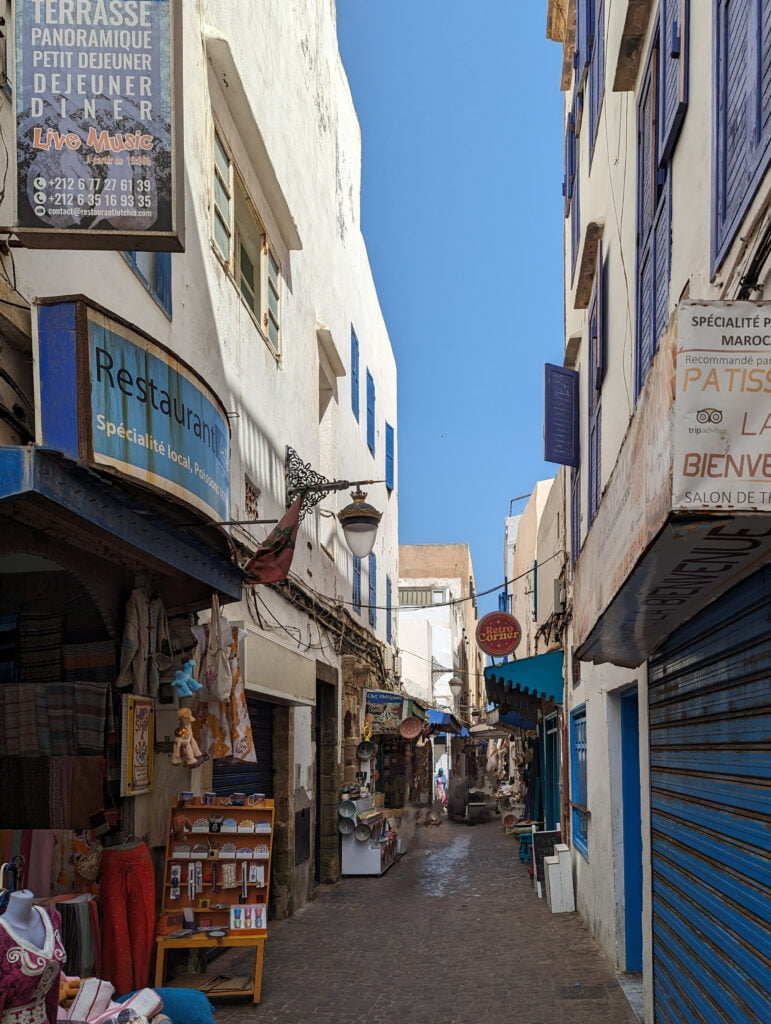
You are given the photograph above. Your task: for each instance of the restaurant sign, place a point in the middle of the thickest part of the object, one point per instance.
(115, 399)
(383, 711)
(498, 634)
(98, 124)
(722, 422)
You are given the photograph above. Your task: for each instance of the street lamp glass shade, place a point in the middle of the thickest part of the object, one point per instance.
(456, 686)
(359, 521)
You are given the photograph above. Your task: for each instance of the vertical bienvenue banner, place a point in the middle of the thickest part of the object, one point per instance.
(722, 419)
(95, 132)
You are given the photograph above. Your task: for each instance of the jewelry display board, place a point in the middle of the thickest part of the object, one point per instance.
(216, 886)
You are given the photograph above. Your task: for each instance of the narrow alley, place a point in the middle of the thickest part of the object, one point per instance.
(453, 931)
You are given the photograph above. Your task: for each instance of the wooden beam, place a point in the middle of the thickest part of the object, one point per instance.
(587, 266)
(635, 30)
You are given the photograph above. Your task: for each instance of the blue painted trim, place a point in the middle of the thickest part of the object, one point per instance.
(631, 829)
(28, 471)
(58, 373)
(578, 793)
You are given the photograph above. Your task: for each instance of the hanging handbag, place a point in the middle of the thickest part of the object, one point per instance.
(215, 675)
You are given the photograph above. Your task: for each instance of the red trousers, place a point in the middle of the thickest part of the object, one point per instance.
(128, 917)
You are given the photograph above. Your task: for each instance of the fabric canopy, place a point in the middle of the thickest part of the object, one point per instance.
(445, 721)
(539, 677)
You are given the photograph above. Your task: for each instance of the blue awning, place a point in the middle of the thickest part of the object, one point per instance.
(539, 677)
(80, 507)
(445, 722)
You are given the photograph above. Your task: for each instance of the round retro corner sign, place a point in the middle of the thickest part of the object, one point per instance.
(498, 634)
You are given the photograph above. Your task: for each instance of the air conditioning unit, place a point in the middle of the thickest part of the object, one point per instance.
(397, 666)
(559, 596)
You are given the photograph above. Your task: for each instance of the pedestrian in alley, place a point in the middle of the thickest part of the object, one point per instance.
(441, 787)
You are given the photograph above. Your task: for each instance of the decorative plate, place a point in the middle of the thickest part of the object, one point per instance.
(346, 826)
(347, 809)
(362, 832)
(411, 728)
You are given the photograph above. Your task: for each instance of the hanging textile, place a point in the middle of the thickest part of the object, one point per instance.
(135, 645)
(223, 729)
(159, 642)
(128, 902)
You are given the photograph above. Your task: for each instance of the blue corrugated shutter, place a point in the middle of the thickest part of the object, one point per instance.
(742, 112)
(373, 589)
(710, 774)
(389, 610)
(561, 416)
(673, 73)
(662, 243)
(575, 200)
(596, 77)
(389, 456)
(354, 373)
(356, 589)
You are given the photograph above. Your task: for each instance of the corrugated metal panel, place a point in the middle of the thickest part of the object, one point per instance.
(248, 777)
(710, 785)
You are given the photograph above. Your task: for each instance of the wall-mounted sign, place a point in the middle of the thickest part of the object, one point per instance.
(722, 422)
(98, 124)
(382, 711)
(498, 634)
(113, 398)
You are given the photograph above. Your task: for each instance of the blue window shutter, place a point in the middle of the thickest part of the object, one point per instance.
(601, 347)
(594, 402)
(673, 73)
(163, 279)
(373, 589)
(742, 127)
(584, 38)
(389, 611)
(662, 236)
(354, 373)
(570, 162)
(356, 596)
(370, 413)
(389, 456)
(596, 77)
(561, 416)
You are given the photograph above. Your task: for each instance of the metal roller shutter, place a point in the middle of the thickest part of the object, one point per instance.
(710, 776)
(249, 777)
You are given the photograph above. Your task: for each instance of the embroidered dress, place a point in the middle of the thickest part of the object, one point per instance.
(29, 976)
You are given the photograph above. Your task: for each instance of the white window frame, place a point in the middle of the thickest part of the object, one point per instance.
(234, 211)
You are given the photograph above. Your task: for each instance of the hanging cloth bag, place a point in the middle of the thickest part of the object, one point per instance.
(215, 674)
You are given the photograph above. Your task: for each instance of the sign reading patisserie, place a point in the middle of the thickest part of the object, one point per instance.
(96, 124)
(498, 634)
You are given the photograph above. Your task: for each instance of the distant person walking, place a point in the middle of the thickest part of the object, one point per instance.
(441, 787)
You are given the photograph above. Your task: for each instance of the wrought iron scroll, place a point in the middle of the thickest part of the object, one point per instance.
(299, 475)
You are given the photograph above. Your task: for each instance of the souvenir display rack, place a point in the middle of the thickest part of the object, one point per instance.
(216, 885)
(374, 855)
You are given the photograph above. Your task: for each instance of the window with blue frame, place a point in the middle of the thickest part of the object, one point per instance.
(389, 456)
(356, 590)
(575, 514)
(354, 373)
(595, 375)
(389, 611)
(154, 270)
(578, 783)
(370, 412)
(596, 76)
(373, 589)
(742, 131)
(653, 226)
(575, 202)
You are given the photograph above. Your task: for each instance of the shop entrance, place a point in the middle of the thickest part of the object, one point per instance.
(250, 776)
(631, 829)
(326, 854)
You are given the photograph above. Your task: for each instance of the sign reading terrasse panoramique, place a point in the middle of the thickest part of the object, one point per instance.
(96, 125)
(722, 416)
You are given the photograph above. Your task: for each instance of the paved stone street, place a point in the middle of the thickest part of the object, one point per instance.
(452, 932)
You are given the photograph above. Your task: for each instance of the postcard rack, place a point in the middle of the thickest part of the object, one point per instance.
(216, 886)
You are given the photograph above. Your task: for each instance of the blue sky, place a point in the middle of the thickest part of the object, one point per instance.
(461, 122)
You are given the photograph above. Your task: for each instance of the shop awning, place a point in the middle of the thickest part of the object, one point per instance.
(539, 678)
(81, 509)
(445, 722)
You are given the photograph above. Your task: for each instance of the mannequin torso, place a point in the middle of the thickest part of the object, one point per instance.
(25, 920)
